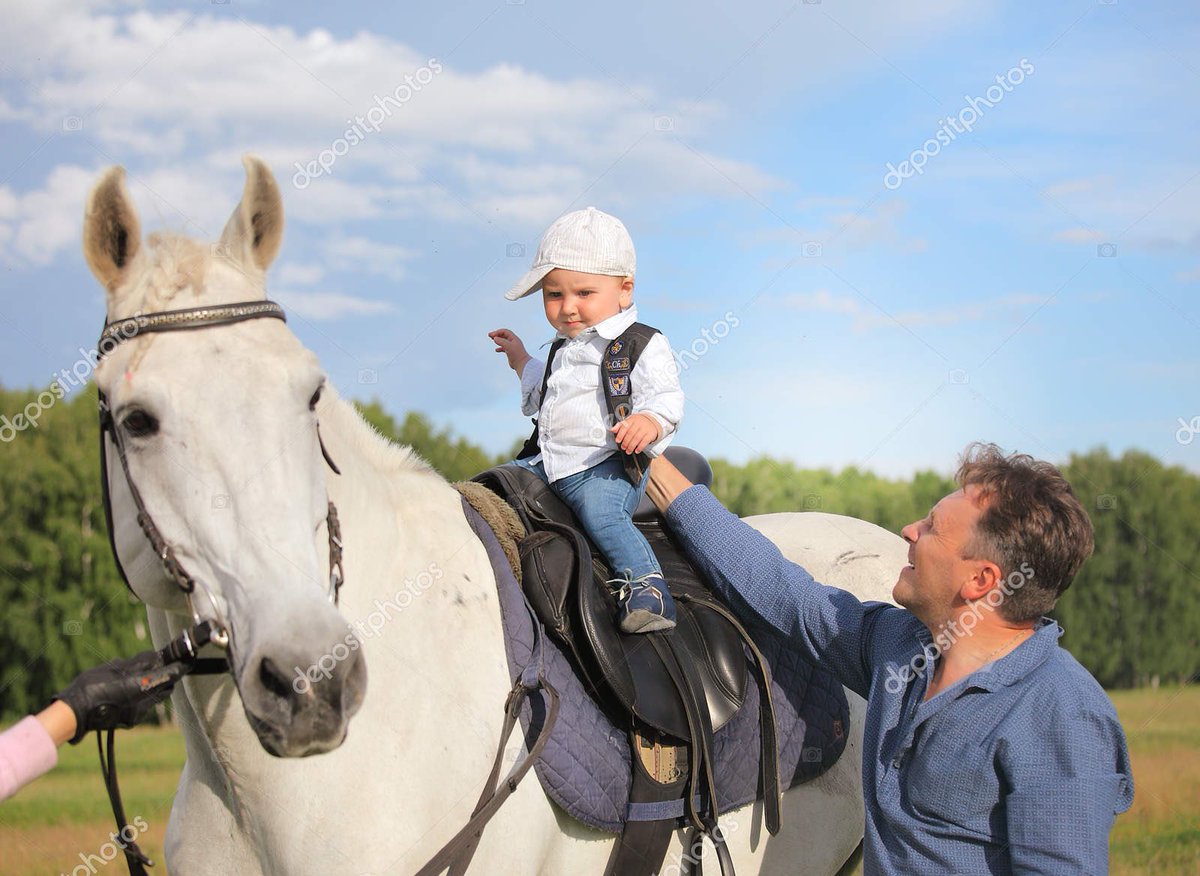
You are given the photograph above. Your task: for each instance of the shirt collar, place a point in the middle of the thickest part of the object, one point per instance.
(1014, 665)
(612, 328)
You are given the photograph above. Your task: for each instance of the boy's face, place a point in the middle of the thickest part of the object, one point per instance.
(576, 301)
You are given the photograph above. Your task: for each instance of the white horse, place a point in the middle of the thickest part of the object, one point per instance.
(220, 430)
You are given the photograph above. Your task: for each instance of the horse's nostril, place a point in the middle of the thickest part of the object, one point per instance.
(273, 680)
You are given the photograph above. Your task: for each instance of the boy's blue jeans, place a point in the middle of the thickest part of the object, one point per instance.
(604, 501)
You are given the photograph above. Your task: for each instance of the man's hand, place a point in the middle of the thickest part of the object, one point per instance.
(512, 347)
(636, 432)
(119, 693)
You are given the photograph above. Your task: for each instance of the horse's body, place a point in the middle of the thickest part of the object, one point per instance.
(244, 507)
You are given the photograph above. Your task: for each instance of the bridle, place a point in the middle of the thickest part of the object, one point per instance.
(204, 631)
(115, 333)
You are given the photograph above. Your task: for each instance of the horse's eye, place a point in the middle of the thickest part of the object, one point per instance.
(312, 402)
(139, 424)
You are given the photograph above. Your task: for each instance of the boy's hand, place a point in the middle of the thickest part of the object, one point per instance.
(510, 345)
(636, 432)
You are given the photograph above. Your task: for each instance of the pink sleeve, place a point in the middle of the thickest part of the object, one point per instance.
(26, 751)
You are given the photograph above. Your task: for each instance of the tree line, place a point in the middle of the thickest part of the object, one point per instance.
(1132, 617)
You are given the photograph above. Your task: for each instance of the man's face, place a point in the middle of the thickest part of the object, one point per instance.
(575, 301)
(929, 586)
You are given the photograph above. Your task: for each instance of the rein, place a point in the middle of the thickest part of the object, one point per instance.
(113, 335)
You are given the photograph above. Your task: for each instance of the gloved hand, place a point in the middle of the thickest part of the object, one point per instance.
(119, 693)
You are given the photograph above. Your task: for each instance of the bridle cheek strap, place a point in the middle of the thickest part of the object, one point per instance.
(181, 320)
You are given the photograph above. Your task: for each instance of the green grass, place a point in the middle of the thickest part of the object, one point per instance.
(46, 827)
(1161, 832)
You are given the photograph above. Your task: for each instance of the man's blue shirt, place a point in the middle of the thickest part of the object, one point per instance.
(1018, 768)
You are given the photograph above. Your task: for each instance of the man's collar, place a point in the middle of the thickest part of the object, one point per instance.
(1014, 665)
(612, 328)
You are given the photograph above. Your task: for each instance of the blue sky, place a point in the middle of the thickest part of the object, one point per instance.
(1035, 285)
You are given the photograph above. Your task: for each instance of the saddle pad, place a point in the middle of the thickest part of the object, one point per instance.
(585, 767)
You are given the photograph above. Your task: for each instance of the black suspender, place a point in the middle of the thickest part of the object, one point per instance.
(616, 369)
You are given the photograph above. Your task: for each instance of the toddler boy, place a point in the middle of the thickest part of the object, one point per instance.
(607, 398)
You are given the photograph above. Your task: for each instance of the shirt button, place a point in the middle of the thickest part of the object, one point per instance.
(896, 761)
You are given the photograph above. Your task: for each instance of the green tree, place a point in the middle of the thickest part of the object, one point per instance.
(65, 606)
(454, 458)
(1132, 616)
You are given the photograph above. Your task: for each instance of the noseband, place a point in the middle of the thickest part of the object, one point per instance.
(180, 320)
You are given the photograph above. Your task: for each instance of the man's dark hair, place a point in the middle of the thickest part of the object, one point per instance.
(1032, 526)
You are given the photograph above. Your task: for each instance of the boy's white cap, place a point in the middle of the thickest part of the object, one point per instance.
(588, 240)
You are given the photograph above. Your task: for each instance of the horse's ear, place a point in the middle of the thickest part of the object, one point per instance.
(255, 230)
(111, 232)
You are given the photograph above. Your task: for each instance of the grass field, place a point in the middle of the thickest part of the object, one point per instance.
(64, 815)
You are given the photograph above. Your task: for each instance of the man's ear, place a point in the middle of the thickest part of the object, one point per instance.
(987, 578)
(626, 297)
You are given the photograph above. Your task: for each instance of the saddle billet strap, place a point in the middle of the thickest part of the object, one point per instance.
(700, 733)
(692, 863)
(768, 735)
(456, 854)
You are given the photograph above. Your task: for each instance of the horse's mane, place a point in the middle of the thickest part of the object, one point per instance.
(172, 263)
(380, 452)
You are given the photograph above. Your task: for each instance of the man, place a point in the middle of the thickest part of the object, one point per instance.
(987, 748)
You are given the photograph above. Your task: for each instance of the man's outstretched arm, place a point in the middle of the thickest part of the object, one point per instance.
(830, 626)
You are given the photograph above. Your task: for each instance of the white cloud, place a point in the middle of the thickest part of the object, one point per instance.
(361, 254)
(1077, 186)
(38, 224)
(298, 274)
(867, 317)
(169, 92)
(821, 301)
(322, 306)
(1079, 235)
(867, 226)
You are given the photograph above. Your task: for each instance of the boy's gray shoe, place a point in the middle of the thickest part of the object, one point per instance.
(645, 604)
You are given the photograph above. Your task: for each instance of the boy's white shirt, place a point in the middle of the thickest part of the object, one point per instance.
(573, 427)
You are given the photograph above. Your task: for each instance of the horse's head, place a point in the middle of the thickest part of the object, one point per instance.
(218, 428)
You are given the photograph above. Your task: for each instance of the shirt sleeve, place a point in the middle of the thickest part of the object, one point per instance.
(26, 751)
(828, 625)
(531, 386)
(656, 390)
(1067, 785)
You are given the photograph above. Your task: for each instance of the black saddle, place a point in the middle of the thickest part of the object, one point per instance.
(678, 686)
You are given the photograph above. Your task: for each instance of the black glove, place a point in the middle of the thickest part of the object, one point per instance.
(119, 693)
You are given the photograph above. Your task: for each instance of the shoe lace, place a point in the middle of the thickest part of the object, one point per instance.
(624, 586)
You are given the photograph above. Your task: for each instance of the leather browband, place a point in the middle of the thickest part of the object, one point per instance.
(177, 320)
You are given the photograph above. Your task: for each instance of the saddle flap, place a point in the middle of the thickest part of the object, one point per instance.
(637, 675)
(547, 561)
